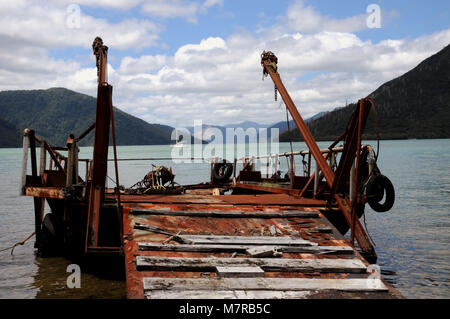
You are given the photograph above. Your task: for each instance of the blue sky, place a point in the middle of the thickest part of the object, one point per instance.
(174, 61)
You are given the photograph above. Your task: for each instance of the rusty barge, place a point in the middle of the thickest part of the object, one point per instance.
(239, 235)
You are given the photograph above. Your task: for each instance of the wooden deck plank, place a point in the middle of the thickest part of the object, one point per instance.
(225, 294)
(239, 271)
(249, 240)
(268, 264)
(267, 284)
(228, 214)
(216, 248)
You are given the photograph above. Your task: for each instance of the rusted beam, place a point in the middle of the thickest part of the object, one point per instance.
(301, 125)
(86, 132)
(54, 157)
(100, 162)
(116, 169)
(44, 192)
(38, 211)
(269, 63)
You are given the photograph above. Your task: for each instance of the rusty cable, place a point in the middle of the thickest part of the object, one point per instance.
(18, 243)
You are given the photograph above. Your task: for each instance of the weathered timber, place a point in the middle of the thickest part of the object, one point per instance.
(225, 294)
(243, 248)
(159, 230)
(229, 214)
(268, 264)
(268, 284)
(239, 271)
(249, 240)
(263, 251)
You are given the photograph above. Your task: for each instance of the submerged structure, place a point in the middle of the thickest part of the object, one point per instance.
(239, 235)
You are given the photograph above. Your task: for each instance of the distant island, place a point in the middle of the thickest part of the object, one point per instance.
(413, 106)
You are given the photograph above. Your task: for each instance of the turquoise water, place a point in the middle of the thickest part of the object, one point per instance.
(412, 239)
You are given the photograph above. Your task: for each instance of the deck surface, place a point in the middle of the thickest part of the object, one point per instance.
(204, 246)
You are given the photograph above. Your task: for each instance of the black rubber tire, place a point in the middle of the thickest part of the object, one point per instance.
(377, 186)
(222, 171)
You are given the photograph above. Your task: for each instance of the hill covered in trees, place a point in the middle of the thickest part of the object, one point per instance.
(415, 105)
(57, 112)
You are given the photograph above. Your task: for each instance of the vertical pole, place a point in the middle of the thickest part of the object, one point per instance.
(116, 168)
(42, 162)
(352, 182)
(86, 176)
(70, 164)
(75, 162)
(37, 200)
(26, 145)
(316, 180)
(309, 164)
(358, 164)
(100, 163)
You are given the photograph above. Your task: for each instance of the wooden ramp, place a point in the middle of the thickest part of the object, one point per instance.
(191, 249)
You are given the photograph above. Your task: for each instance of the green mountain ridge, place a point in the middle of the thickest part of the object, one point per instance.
(415, 105)
(57, 112)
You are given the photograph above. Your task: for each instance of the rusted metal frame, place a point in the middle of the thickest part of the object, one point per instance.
(33, 155)
(320, 160)
(301, 125)
(348, 155)
(360, 234)
(116, 168)
(350, 146)
(54, 156)
(331, 147)
(38, 211)
(270, 189)
(246, 164)
(25, 148)
(86, 132)
(355, 199)
(309, 165)
(44, 192)
(100, 161)
(70, 161)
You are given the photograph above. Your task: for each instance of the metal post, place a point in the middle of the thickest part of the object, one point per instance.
(316, 180)
(26, 145)
(352, 182)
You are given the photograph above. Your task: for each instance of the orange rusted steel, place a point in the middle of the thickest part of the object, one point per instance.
(301, 125)
(47, 192)
(101, 142)
(196, 199)
(100, 163)
(304, 227)
(269, 63)
(101, 55)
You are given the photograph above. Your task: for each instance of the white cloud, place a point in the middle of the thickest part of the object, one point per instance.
(219, 80)
(49, 26)
(178, 8)
(306, 19)
(216, 79)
